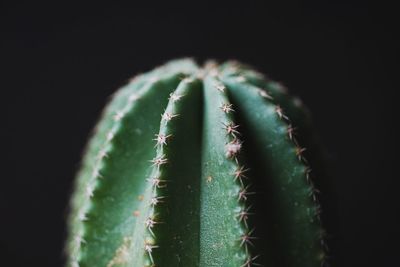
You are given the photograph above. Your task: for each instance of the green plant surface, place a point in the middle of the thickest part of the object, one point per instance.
(192, 166)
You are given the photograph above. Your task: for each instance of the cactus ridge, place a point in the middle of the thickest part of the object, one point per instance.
(228, 188)
(287, 144)
(175, 187)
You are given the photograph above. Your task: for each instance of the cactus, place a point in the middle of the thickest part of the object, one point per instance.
(219, 179)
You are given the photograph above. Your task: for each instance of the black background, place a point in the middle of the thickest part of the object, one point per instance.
(60, 62)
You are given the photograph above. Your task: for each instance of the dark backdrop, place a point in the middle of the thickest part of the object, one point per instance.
(59, 63)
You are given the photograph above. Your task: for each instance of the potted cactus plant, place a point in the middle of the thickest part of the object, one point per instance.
(197, 166)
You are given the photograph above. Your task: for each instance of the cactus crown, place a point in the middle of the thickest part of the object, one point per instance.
(196, 166)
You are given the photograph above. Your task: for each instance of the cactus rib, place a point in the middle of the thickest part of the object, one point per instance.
(177, 234)
(223, 192)
(298, 217)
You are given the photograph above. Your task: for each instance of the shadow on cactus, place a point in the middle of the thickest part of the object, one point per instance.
(193, 166)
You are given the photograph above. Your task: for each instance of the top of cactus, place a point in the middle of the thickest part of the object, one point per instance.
(169, 175)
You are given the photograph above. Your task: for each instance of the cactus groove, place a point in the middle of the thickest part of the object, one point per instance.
(193, 166)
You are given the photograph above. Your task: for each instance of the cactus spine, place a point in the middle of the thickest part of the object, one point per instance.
(179, 189)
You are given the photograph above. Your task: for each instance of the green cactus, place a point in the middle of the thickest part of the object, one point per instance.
(217, 180)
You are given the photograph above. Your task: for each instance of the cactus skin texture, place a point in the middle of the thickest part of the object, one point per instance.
(195, 166)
